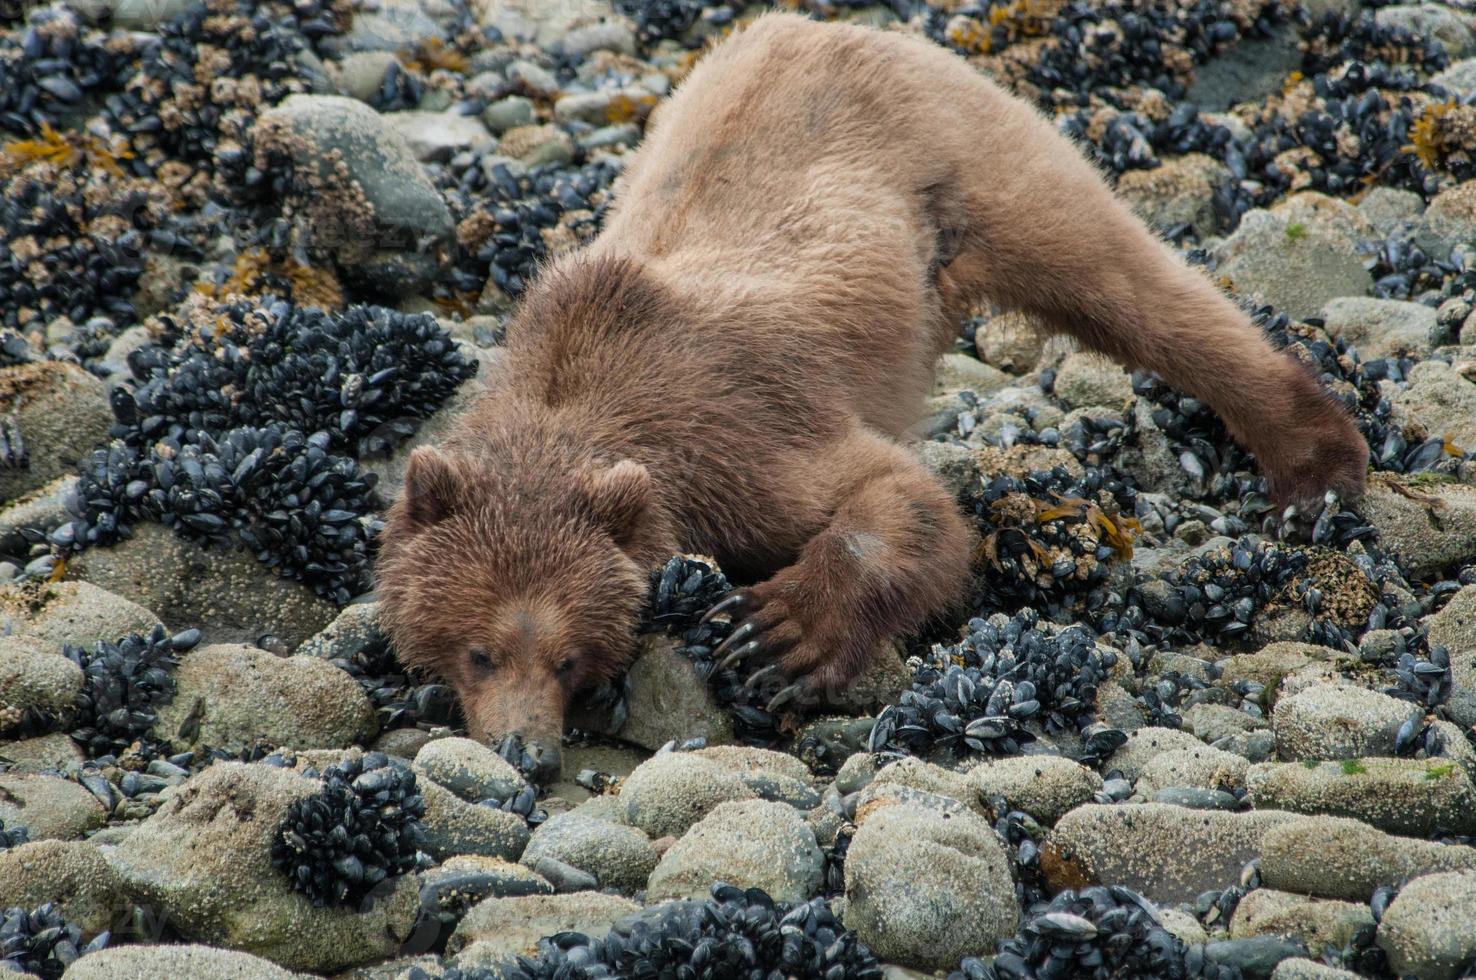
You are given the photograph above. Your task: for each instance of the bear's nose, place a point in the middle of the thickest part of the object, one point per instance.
(546, 761)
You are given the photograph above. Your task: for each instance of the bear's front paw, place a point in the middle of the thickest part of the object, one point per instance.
(802, 648)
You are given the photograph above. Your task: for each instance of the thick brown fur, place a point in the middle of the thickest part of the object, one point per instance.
(732, 365)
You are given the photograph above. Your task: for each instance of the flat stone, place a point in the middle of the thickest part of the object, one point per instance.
(70, 874)
(203, 862)
(1337, 721)
(1403, 796)
(234, 694)
(228, 595)
(498, 929)
(1299, 272)
(1085, 380)
(1382, 327)
(79, 613)
(1044, 786)
(747, 843)
(1146, 743)
(618, 856)
(1429, 527)
(1429, 930)
(49, 807)
(926, 888)
(468, 768)
(667, 701)
(183, 960)
(1167, 853)
(62, 414)
(1318, 923)
(454, 826)
(1338, 857)
(1204, 767)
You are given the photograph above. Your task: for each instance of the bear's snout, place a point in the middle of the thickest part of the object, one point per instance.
(528, 705)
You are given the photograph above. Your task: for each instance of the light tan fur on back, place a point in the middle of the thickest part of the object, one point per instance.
(732, 365)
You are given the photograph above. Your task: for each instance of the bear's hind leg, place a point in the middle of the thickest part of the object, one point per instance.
(895, 551)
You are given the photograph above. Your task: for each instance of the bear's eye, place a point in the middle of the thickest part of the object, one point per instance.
(481, 659)
(566, 667)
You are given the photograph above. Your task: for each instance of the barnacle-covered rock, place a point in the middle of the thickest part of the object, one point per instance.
(176, 960)
(229, 695)
(926, 887)
(355, 190)
(48, 807)
(205, 860)
(340, 845)
(60, 413)
(37, 684)
(1403, 796)
(70, 874)
(746, 843)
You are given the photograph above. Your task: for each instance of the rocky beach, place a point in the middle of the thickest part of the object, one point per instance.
(253, 254)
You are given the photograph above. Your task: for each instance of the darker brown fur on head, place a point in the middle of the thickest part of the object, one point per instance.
(512, 583)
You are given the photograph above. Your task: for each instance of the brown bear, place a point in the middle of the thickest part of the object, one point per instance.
(732, 365)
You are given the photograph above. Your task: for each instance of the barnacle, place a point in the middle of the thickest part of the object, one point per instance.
(255, 274)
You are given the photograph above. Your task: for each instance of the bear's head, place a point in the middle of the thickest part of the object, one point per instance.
(517, 588)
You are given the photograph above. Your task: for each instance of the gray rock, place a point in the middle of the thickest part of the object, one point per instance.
(1252, 69)
(926, 888)
(1203, 767)
(1085, 380)
(1146, 743)
(959, 372)
(1459, 78)
(610, 35)
(454, 826)
(1275, 661)
(668, 793)
(1192, 797)
(1389, 208)
(49, 807)
(41, 510)
(203, 861)
(1429, 930)
(62, 414)
(1254, 957)
(539, 81)
(609, 137)
(468, 768)
(586, 107)
(1012, 341)
(1044, 786)
(1454, 627)
(78, 613)
(534, 146)
(71, 874)
(498, 929)
(1432, 20)
(1168, 853)
(390, 25)
(1285, 263)
(507, 113)
(918, 774)
(1429, 526)
(233, 694)
(1382, 327)
(748, 843)
(355, 630)
(1450, 220)
(618, 856)
(361, 74)
(1212, 722)
(1318, 923)
(1337, 721)
(367, 197)
(666, 700)
(1337, 857)
(41, 753)
(183, 961)
(466, 878)
(437, 136)
(1180, 192)
(1298, 968)
(1403, 796)
(34, 677)
(228, 595)
(543, 24)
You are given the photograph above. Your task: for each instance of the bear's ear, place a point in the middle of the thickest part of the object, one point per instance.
(431, 486)
(619, 496)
